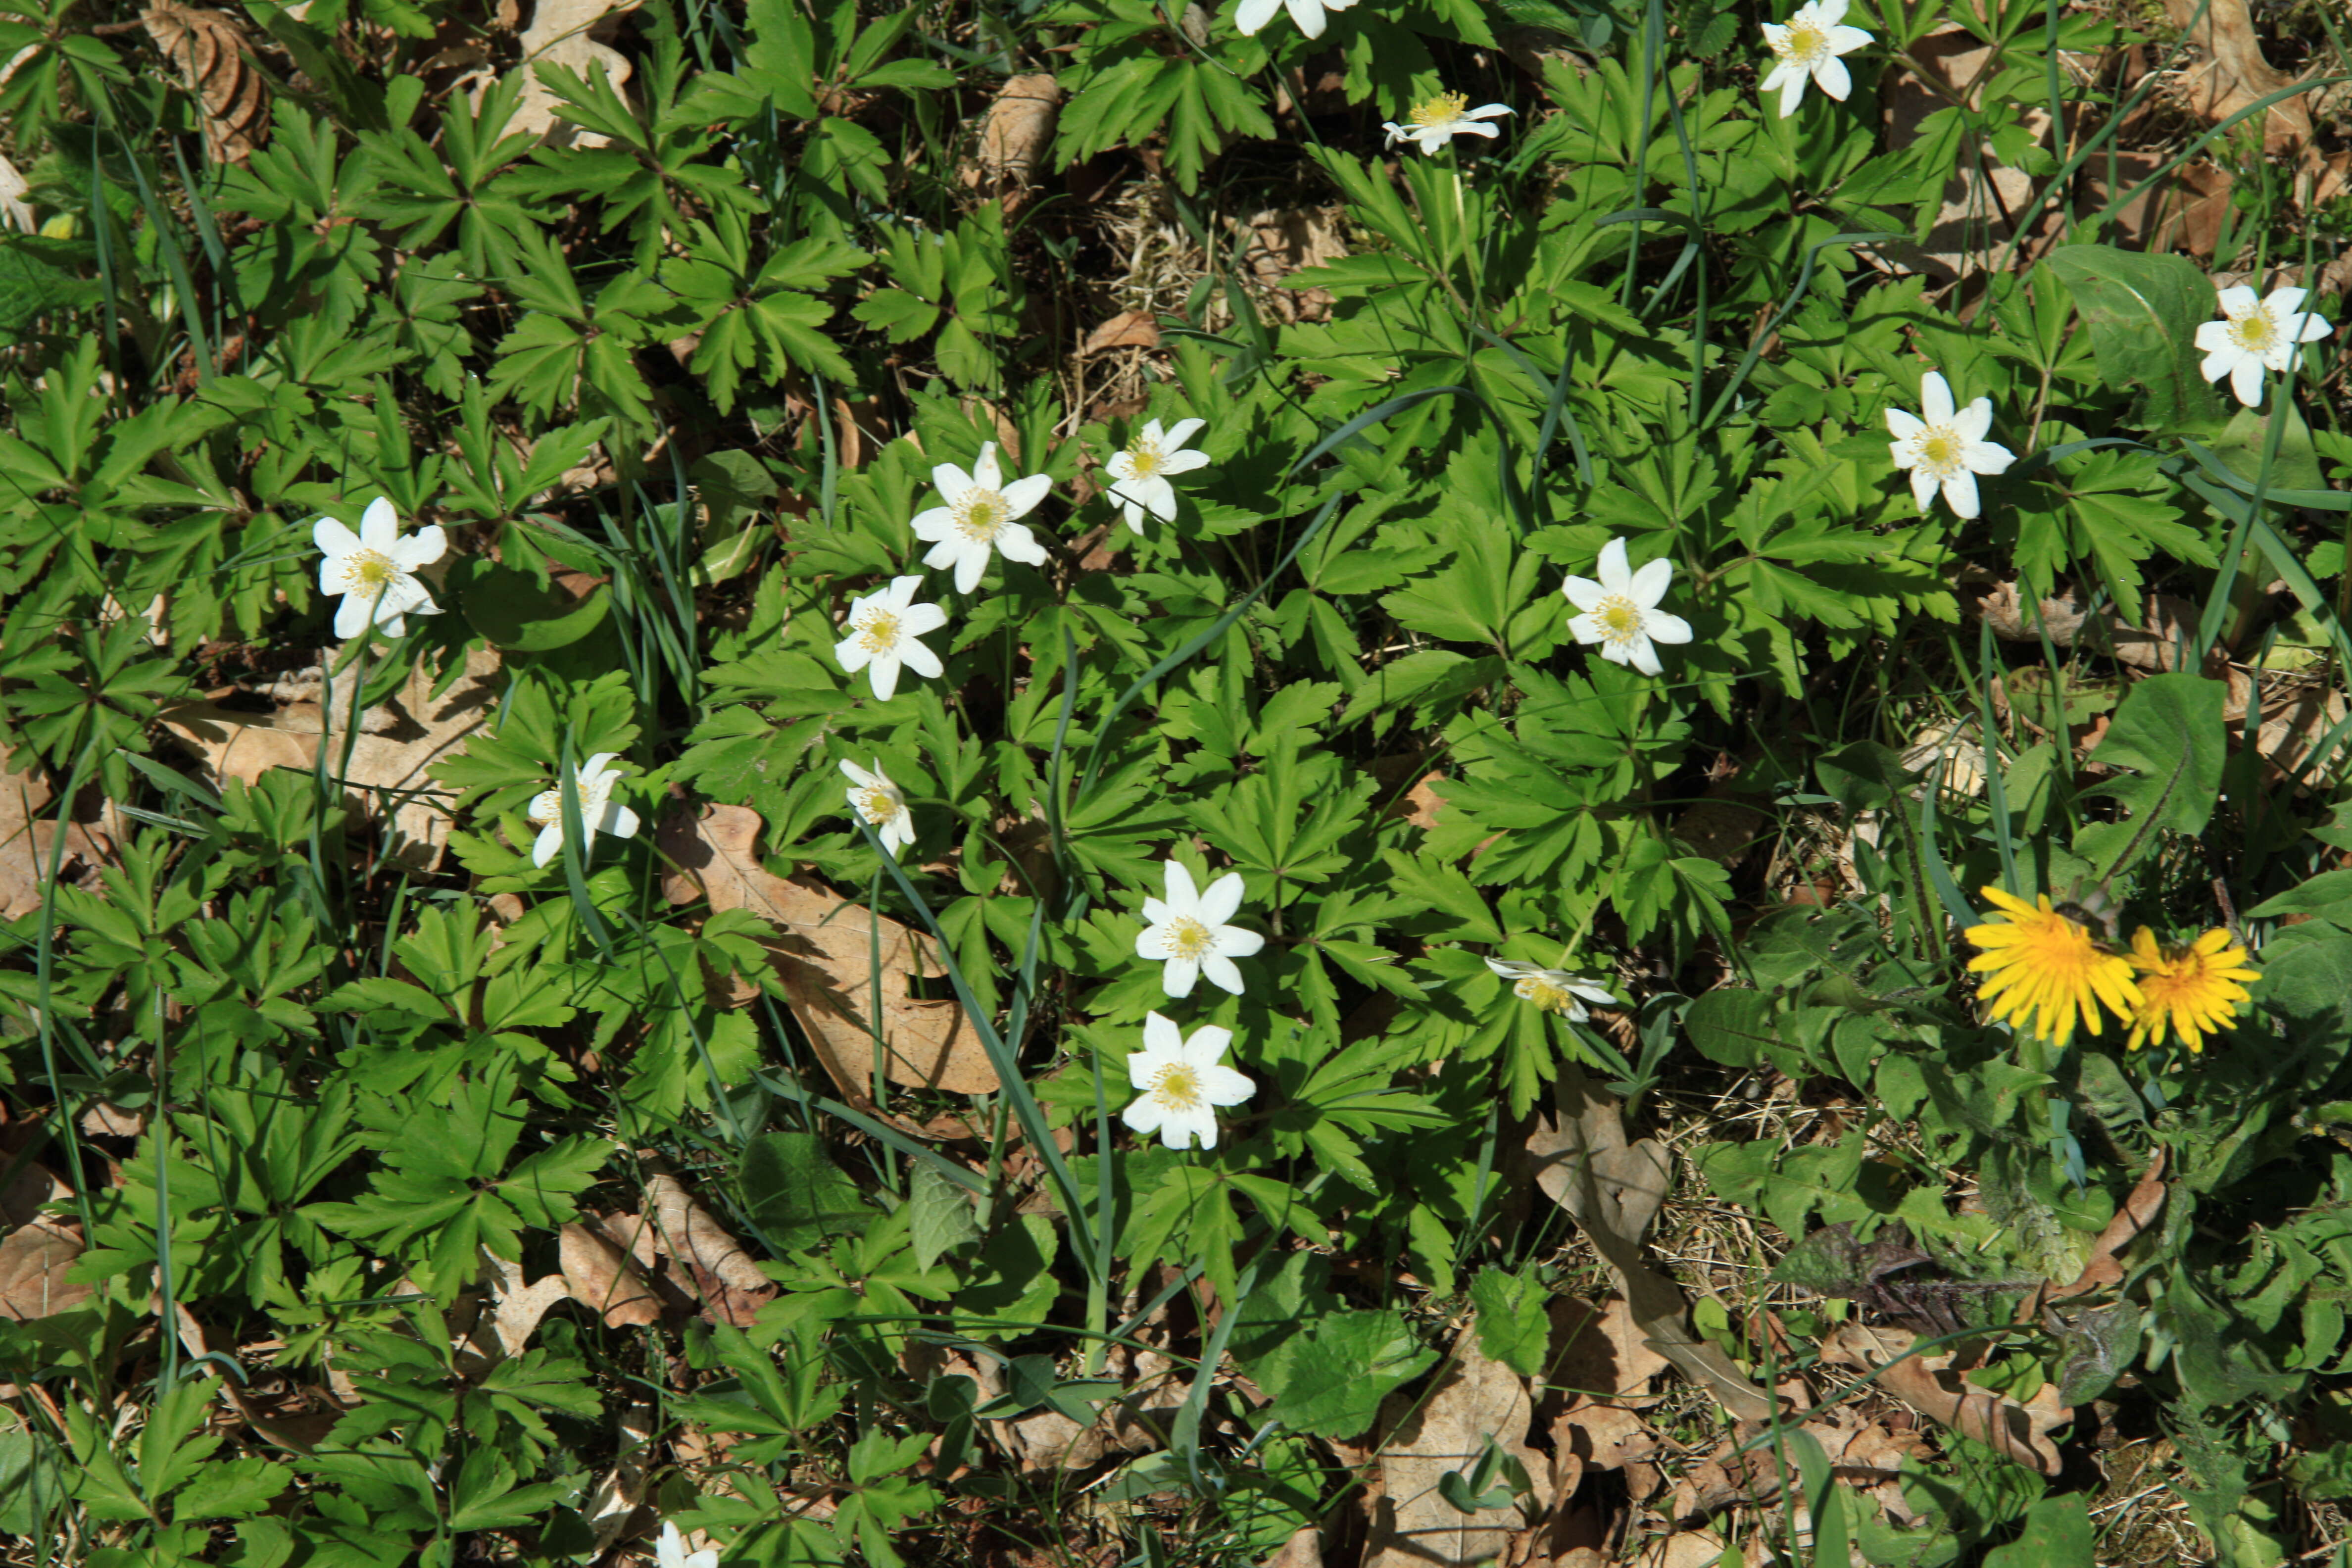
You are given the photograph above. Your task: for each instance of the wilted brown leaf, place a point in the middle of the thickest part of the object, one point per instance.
(34, 1260)
(1412, 1526)
(1127, 330)
(1019, 130)
(557, 36)
(824, 956)
(2019, 1432)
(723, 1275)
(1303, 1550)
(2234, 76)
(388, 768)
(605, 1278)
(1613, 1190)
(1602, 1353)
(207, 49)
(28, 840)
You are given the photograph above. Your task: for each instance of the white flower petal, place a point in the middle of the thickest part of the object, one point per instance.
(1221, 972)
(1666, 628)
(1831, 76)
(549, 844)
(380, 526)
(1904, 427)
(1936, 398)
(1960, 494)
(1023, 495)
(1223, 900)
(1179, 978)
(1650, 583)
(1183, 897)
(2246, 381)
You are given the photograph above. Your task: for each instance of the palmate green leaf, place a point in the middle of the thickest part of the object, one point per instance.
(1514, 1320)
(1332, 1378)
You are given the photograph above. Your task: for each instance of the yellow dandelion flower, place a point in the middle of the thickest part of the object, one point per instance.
(2044, 970)
(2195, 989)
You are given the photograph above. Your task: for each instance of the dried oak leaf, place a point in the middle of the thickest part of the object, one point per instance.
(557, 36)
(1613, 1190)
(29, 841)
(1412, 1524)
(2234, 74)
(34, 1260)
(1019, 130)
(389, 767)
(824, 956)
(1127, 330)
(603, 1278)
(208, 49)
(2139, 1210)
(2017, 1431)
(723, 1276)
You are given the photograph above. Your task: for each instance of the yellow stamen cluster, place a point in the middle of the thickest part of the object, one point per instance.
(1189, 939)
(881, 633)
(1442, 109)
(1178, 1086)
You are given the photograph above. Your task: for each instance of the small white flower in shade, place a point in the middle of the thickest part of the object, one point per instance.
(981, 514)
(1180, 1083)
(2255, 334)
(1140, 471)
(1620, 610)
(374, 570)
(1553, 990)
(1188, 929)
(882, 805)
(1807, 47)
(1434, 122)
(883, 628)
(599, 812)
(669, 1551)
(1945, 446)
(1253, 14)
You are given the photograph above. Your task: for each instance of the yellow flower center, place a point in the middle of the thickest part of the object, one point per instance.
(1145, 458)
(1189, 939)
(370, 568)
(1941, 451)
(2255, 331)
(1545, 995)
(547, 806)
(1178, 1086)
(881, 633)
(1620, 620)
(1442, 109)
(877, 805)
(982, 514)
(1802, 44)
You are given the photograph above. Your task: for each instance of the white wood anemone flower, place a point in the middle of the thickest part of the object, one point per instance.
(374, 570)
(1806, 47)
(1253, 14)
(669, 1551)
(2255, 334)
(1553, 990)
(882, 805)
(1187, 929)
(982, 514)
(1182, 1083)
(1434, 122)
(1946, 446)
(599, 812)
(1620, 610)
(1140, 471)
(884, 630)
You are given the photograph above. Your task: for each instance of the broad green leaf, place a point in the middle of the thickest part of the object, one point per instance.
(1513, 1324)
(2143, 311)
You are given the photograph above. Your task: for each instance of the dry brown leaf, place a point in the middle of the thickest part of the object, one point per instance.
(15, 213)
(1602, 1353)
(2156, 648)
(2138, 1212)
(1412, 1526)
(623, 1490)
(2018, 1432)
(1683, 1549)
(28, 1188)
(724, 1277)
(33, 1263)
(1613, 1190)
(28, 840)
(1127, 330)
(605, 1278)
(2234, 74)
(557, 36)
(391, 766)
(1019, 130)
(825, 957)
(1602, 1436)
(1303, 1550)
(207, 49)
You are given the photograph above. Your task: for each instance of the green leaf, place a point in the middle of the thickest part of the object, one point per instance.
(2057, 1534)
(1514, 1326)
(231, 1489)
(2168, 732)
(2143, 312)
(1338, 1373)
(1734, 1028)
(795, 1194)
(941, 1217)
